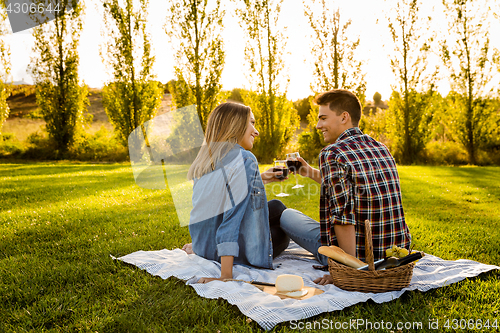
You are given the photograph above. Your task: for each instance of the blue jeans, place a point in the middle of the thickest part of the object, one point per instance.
(304, 231)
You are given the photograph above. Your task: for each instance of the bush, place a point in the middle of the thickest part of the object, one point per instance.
(308, 147)
(311, 140)
(375, 125)
(40, 147)
(276, 125)
(35, 114)
(7, 137)
(236, 95)
(9, 145)
(25, 89)
(102, 146)
(303, 107)
(444, 153)
(407, 124)
(488, 157)
(125, 114)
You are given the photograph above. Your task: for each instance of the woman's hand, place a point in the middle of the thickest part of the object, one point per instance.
(269, 176)
(207, 280)
(226, 270)
(188, 248)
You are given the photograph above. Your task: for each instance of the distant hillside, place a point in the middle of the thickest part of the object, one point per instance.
(96, 108)
(22, 103)
(21, 106)
(24, 118)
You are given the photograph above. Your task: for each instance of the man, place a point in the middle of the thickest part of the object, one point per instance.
(359, 181)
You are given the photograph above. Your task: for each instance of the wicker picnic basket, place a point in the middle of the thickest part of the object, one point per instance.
(370, 281)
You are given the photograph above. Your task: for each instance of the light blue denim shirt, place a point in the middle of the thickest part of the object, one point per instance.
(230, 216)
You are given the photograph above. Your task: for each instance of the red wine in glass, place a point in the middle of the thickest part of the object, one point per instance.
(293, 166)
(280, 165)
(282, 169)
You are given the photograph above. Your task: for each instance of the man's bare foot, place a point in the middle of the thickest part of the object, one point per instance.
(188, 248)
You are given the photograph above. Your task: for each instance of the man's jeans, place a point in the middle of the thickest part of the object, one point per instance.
(304, 231)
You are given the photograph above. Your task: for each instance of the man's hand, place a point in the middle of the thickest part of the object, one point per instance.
(308, 171)
(326, 279)
(269, 176)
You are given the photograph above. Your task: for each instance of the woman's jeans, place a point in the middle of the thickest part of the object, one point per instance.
(304, 231)
(279, 238)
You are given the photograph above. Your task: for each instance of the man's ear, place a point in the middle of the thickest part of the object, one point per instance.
(345, 117)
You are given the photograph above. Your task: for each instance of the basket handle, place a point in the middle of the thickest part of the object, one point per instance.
(369, 246)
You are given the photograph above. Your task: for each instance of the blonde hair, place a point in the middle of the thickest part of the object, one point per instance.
(226, 126)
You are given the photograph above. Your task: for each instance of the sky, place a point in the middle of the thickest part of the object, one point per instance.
(368, 22)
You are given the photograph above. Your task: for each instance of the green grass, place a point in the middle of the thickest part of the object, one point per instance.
(59, 222)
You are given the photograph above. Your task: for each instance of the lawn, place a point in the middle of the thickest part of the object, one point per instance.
(59, 223)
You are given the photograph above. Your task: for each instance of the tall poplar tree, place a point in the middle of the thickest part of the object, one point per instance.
(468, 55)
(133, 96)
(408, 105)
(60, 96)
(5, 68)
(276, 116)
(194, 28)
(336, 64)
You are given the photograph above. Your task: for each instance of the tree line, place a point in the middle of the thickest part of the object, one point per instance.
(417, 113)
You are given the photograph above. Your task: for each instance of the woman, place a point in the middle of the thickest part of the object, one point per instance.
(231, 221)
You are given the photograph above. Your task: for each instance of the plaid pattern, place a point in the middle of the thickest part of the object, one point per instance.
(359, 182)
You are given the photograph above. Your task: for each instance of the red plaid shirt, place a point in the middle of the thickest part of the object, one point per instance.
(359, 181)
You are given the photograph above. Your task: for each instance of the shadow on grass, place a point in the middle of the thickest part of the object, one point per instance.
(448, 224)
(67, 184)
(478, 177)
(459, 176)
(484, 177)
(38, 193)
(43, 169)
(153, 225)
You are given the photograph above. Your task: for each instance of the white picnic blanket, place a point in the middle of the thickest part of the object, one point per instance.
(267, 310)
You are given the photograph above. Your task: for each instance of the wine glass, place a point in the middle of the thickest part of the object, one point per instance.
(280, 165)
(293, 163)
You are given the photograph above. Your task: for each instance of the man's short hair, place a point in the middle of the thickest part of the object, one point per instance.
(340, 100)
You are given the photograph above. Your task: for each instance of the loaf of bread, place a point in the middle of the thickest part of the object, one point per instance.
(337, 254)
